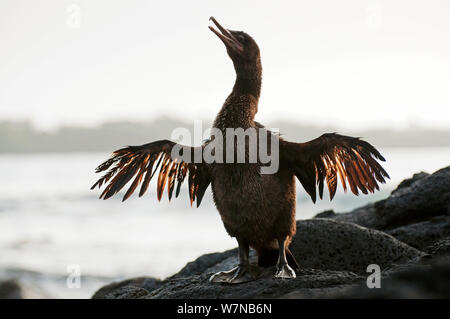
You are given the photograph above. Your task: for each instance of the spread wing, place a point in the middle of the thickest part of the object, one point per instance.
(142, 162)
(331, 156)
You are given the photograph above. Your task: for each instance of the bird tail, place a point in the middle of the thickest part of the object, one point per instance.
(269, 256)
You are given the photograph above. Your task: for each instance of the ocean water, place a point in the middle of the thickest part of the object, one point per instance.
(49, 220)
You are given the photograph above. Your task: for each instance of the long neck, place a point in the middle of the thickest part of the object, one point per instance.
(241, 105)
(248, 79)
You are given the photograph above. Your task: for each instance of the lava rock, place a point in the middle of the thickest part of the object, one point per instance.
(198, 286)
(332, 245)
(416, 281)
(423, 234)
(418, 199)
(15, 289)
(128, 289)
(406, 235)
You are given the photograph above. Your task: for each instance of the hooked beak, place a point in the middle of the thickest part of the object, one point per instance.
(227, 38)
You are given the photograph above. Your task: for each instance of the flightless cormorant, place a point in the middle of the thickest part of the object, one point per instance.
(257, 209)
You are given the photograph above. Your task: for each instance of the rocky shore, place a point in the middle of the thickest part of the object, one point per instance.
(407, 235)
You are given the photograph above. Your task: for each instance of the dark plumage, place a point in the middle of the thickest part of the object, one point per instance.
(258, 209)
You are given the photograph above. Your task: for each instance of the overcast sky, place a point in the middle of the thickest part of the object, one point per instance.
(348, 64)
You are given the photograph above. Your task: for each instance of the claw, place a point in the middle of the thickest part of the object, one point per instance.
(284, 271)
(237, 275)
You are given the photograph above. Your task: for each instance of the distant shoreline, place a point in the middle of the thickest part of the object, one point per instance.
(23, 138)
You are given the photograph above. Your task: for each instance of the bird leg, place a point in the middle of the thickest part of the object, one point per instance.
(244, 272)
(284, 271)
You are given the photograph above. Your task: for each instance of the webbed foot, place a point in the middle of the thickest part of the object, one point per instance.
(284, 271)
(237, 275)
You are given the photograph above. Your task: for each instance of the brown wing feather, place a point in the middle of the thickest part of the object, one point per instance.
(139, 162)
(137, 180)
(148, 176)
(331, 177)
(162, 177)
(172, 176)
(332, 157)
(341, 172)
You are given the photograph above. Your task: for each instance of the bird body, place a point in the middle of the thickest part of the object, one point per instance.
(257, 209)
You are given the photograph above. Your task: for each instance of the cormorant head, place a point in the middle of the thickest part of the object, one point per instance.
(241, 47)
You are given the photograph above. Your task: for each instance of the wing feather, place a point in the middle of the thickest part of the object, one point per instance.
(148, 176)
(172, 176)
(137, 179)
(331, 157)
(142, 163)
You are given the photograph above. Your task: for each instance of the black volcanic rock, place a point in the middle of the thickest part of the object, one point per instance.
(407, 235)
(198, 286)
(127, 289)
(15, 289)
(205, 262)
(10, 289)
(409, 181)
(332, 245)
(416, 281)
(416, 199)
(423, 234)
(338, 260)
